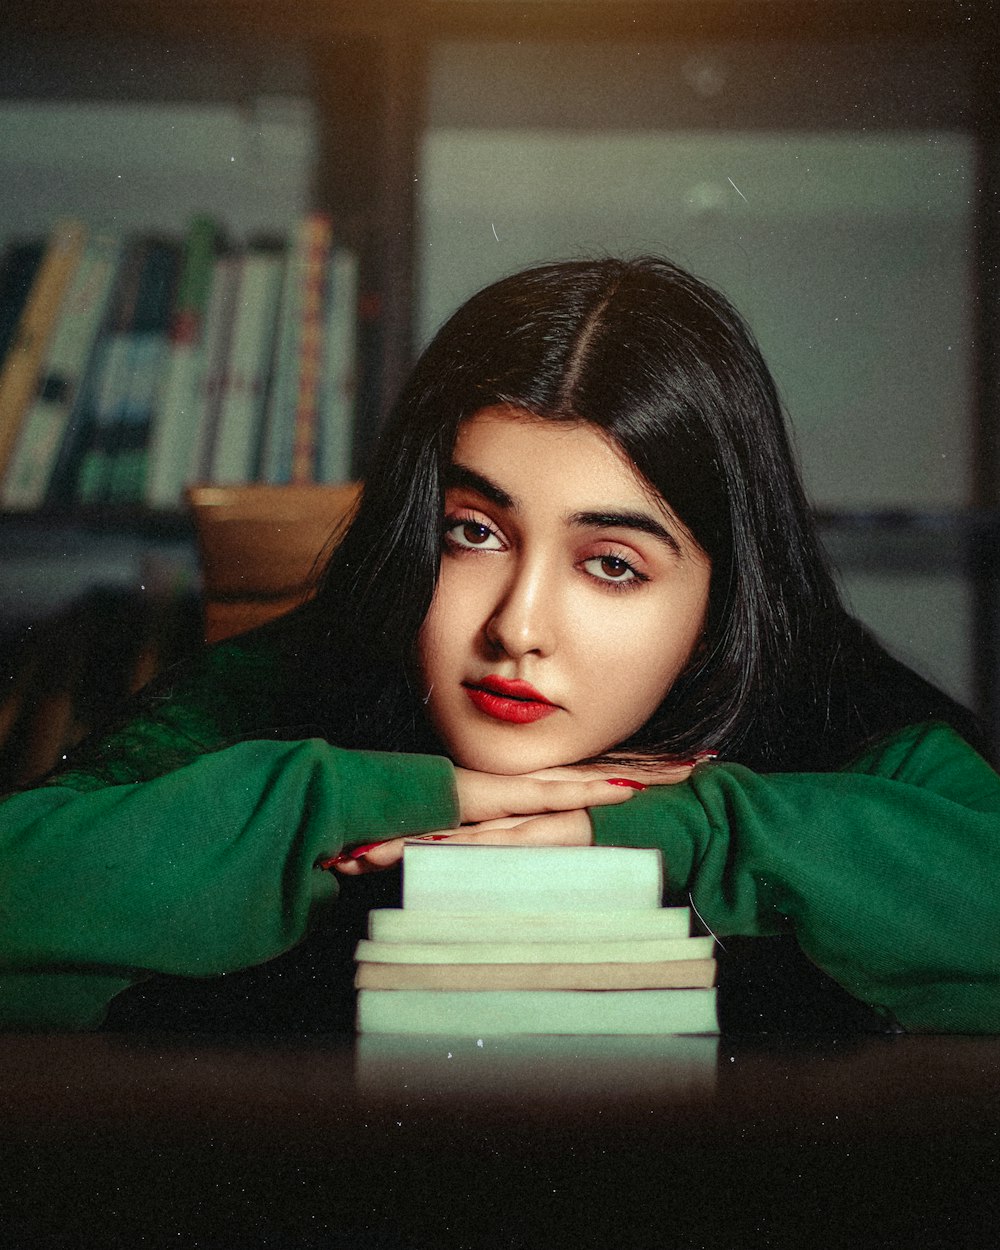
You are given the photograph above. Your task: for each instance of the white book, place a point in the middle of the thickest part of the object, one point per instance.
(528, 952)
(241, 407)
(398, 924)
(179, 403)
(214, 358)
(480, 1013)
(464, 877)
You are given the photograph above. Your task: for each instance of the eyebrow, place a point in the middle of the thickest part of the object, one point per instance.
(459, 475)
(641, 521)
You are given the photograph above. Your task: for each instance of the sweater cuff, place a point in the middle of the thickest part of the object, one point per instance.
(669, 818)
(386, 795)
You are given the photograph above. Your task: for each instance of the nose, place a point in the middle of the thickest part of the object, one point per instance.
(522, 623)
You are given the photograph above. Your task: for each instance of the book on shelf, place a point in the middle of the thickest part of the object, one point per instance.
(26, 351)
(291, 428)
(56, 407)
(455, 876)
(241, 402)
(648, 974)
(18, 267)
(148, 354)
(305, 439)
(514, 940)
(178, 408)
(112, 379)
(478, 1012)
(214, 361)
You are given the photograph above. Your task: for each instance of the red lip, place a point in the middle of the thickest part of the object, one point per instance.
(514, 701)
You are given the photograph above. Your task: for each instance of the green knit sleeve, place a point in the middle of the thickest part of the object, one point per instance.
(885, 872)
(202, 870)
(220, 695)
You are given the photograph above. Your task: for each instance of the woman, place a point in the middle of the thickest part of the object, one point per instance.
(583, 554)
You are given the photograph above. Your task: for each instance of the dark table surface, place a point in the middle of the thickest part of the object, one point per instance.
(115, 1139)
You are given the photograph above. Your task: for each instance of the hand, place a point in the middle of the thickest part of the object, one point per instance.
(487, 796)
(571, 828)
(489, 803)
(653, 773)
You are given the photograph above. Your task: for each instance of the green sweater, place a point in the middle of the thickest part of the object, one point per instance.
(172, 847)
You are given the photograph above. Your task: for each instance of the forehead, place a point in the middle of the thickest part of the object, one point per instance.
(530, 456)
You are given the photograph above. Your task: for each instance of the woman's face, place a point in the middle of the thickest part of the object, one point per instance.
(569, 598)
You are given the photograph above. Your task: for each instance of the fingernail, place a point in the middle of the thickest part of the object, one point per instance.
(627, 782)
(352, 853)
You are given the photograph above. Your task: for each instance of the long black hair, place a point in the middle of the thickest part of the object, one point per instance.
(665, 366)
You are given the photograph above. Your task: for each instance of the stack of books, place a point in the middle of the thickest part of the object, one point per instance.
(546, 939)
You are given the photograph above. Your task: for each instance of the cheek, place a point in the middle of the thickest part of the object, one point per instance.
(635, 662)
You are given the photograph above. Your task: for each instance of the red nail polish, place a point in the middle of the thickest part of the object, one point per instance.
(354, 852)
(627, 782)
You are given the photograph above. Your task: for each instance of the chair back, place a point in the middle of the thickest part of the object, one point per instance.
(261, 548)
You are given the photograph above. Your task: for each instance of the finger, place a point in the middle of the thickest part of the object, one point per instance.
(647, 774)
(373, 856)
(555, 829)
(572, 795)
(484, 797)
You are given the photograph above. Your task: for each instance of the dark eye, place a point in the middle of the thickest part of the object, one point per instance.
(473, 534)
(610, 568)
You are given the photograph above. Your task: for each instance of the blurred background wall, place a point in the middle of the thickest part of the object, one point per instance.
(832, 167)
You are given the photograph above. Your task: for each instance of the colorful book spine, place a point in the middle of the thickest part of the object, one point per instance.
(305, 443)
(50, 420)
(215, 360)
(291, 428)
(112, 380)
(26, 353)
(148, 348)
(237, 447)
(178, 406)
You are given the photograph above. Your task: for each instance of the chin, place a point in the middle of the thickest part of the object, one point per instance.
(511, 761)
